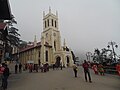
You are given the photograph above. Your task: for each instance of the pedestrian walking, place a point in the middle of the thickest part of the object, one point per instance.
(101, 69)
(20, 68)
(41, 67)
(53, 66)
(95, 69)
(75, 69)
(31, 67)
(36, 67)
(61, 66)
(16, 68)
(2, 68)
(5, 77)
(118, 68)
(86, 71)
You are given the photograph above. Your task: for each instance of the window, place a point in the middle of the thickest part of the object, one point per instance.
(45, 24)
(46, 56)
(55, 24)
(48, 22)
(39, 54)
(55, 45)
(52, 22)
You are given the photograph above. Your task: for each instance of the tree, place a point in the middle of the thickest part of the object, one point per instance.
(10, 37)
(104, 56)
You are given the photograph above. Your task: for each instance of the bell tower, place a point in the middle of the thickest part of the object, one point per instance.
(50, 30)
(50, 21)
(51, 49)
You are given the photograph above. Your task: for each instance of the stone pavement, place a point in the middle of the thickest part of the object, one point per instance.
(62, 80)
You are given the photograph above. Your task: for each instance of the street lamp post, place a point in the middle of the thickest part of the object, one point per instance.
(113, 44)
(88, 55)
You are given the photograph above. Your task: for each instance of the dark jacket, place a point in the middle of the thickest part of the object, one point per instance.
(6, 72)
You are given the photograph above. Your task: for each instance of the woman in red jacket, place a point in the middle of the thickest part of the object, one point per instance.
(118, 68)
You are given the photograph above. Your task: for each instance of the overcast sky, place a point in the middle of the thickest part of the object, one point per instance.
(85, 24)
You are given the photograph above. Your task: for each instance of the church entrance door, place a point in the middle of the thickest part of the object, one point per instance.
(58, 61)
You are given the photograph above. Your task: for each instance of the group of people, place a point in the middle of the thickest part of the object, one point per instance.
(31, 67)
(85, 66)
(4, 73)
(18, 67)
(98, 69)
(35, 67)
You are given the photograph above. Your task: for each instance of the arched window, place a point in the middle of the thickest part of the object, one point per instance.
(45, 24)
(46, 56)
(48, 22)
(52, 22)
(58, 61)
(55, 24)
(68, 61)
(39, 54)
(55, 45)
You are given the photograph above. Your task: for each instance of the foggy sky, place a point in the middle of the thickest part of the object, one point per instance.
(85, 24)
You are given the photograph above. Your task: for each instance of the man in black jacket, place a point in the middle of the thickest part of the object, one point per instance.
(5, 77)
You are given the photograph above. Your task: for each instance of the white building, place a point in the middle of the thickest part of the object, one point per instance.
(49, 50)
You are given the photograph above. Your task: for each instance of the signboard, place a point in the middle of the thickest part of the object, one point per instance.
(30, 61)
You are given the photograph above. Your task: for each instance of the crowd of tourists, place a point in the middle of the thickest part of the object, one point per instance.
(98, 69)
(30, 67)
(18, 68)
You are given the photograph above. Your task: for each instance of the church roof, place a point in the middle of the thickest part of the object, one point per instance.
(28, 47)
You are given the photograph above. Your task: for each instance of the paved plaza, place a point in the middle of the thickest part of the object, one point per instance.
(62, 80)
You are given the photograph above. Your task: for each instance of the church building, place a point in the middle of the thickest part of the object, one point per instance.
(49, 50)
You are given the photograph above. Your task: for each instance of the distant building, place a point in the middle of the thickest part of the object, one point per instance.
(49, 50)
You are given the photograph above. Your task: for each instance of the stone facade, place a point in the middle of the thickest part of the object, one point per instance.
(49, 50)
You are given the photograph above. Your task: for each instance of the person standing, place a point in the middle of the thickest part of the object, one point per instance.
(2, 68)
(118, 68)
(75, 68)
(94, 67)
(20, 68)
(101, 69)
(86, 71)
(5, 77)
(61, 65)
(16, 69)
(53, 66)
(41, 67)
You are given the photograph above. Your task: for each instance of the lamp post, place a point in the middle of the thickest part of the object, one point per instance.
(88, 55)
(113, 44)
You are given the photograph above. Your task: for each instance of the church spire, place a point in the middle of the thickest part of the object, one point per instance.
(49, 9)
(64, 43)
(43, 13)
(57, 13)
